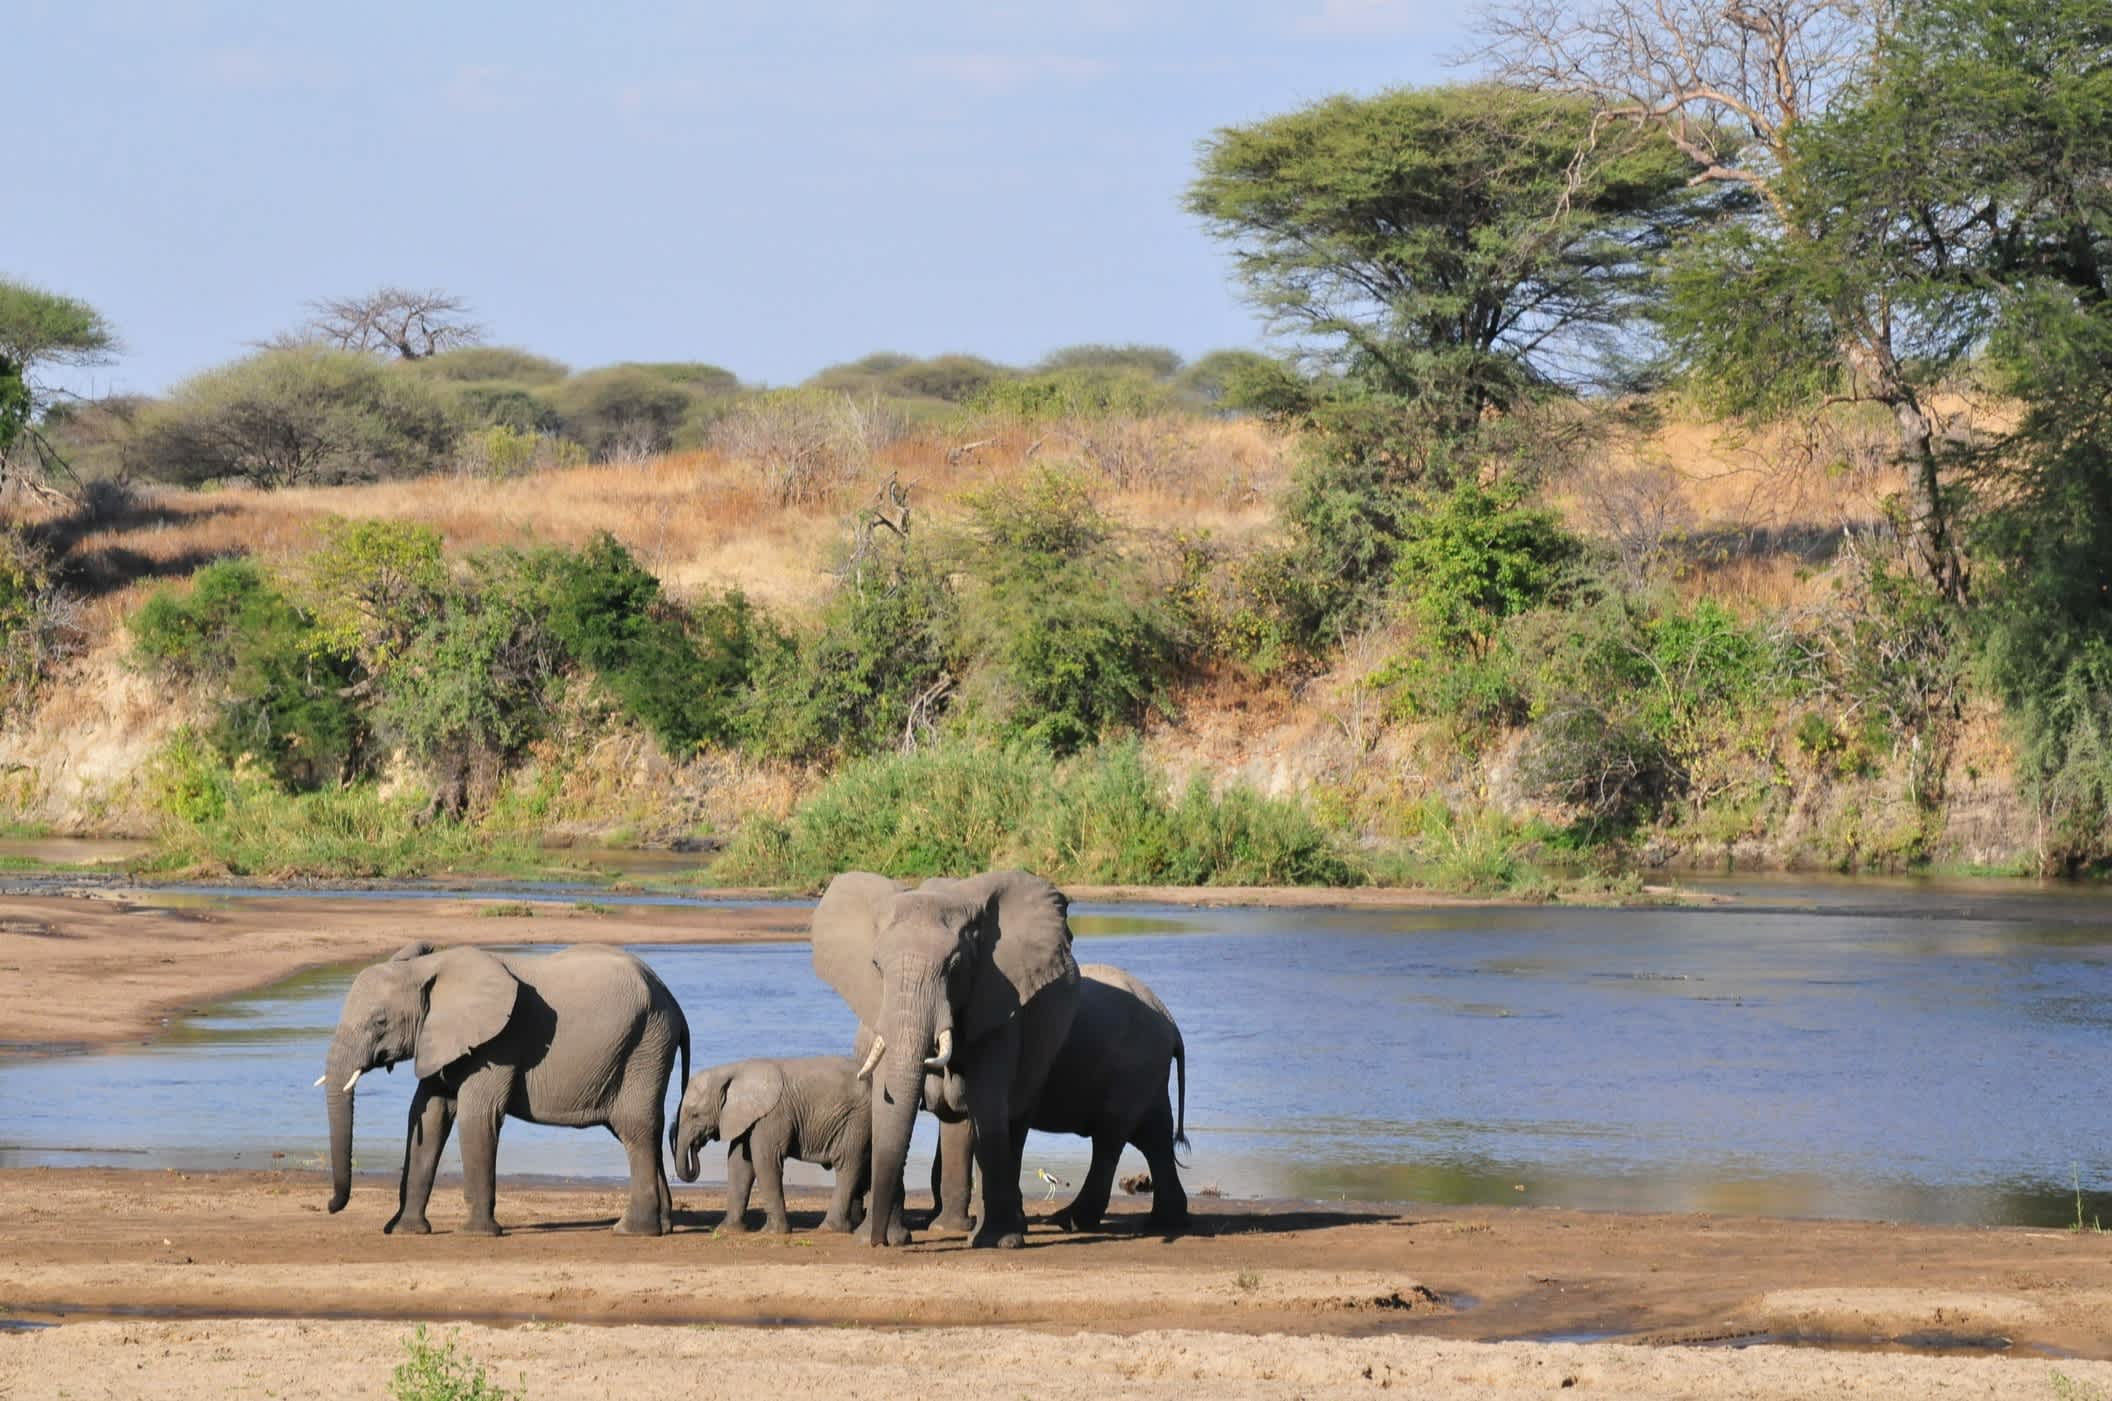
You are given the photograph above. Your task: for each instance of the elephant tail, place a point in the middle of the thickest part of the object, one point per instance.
(1180, 1071)
(674, 1127)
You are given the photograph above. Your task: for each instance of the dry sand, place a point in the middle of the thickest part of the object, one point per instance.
(195, 1285)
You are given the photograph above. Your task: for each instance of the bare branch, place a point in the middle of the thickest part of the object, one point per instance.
(390, 321)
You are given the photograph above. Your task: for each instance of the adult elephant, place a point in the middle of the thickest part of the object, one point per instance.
(1108, 1085)
(969, 988)
(584, 1036)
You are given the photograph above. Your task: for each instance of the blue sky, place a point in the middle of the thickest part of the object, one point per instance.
(769, 187)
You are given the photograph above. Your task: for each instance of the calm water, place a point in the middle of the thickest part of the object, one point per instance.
(1882, 1050)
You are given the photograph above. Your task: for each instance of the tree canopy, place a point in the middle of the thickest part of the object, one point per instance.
(1441, 244)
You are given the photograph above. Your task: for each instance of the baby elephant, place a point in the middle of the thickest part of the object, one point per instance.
(816, 1110)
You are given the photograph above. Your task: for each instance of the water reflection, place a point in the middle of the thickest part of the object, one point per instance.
(1927, 1066)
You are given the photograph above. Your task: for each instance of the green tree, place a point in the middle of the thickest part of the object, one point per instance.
(296, 416)
(1440, 246)
(40, 329)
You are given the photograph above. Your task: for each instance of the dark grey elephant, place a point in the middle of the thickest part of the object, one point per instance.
(1109, 1085)
(969, 988)
(585, 1036)
(815, 1109)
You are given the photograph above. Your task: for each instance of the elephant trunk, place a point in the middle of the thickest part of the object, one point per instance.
(687, 1141)
(897, 1082)
(340, 1070)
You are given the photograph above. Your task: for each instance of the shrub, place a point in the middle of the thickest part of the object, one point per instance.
(1103, 816)
(1600, 764)
(371, 583)
(678, 674)
(38, 622)
(284, 690)
(953, 378)
(1081, 392)
(471, 364)
(875, 671)
(296, 416)
(500, 451)
(513, 407)
(1075, 644)
(472, 688)
(1153, 361)
(622, 412)
(436, 1372)
(1477, 556)
(1234, 380)
(806, 443)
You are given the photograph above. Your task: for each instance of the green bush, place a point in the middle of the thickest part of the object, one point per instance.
(513, 408)
(284, 689)
(1105, 816)
(1074, 644)
(806, 443)
(1476, 556)
(1083, 392)
(371, 583)
(1152, 361)
(622, 412)
(874, 670)
(680, 674)
(473, 364)
(297, 416)
(37, 627)
(502, 451)
(436, 1372)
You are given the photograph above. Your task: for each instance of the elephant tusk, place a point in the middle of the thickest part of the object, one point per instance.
(945, 1056)
(322, 1077)
(865, 1072)
(353, 1080)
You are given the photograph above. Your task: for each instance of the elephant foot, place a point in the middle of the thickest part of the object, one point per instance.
(999, 1240)
(1068, 1220)
(733, 1226)
(411, 1226)
(951, 1222)
(897, 1233)
(652, 1226)
(482, 1228)
(777, 1227)
(837, 1225)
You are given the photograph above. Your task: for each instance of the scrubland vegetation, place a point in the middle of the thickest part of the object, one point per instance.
(1633, 490)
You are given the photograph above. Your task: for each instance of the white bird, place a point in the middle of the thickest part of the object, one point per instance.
(1054, 1182)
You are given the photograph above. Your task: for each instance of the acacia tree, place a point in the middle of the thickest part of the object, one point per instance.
(1827, 285)
(1436, 245)
(394, 321)
(40, 329)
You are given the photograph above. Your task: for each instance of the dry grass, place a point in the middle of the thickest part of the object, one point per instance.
(700, 520)
(1752, 518)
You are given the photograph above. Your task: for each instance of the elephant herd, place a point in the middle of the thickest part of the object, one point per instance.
(970, 1005)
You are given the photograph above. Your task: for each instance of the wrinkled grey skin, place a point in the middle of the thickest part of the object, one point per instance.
(984, 963)
(1109, 1085)
(585, 1036)
(815, 1109)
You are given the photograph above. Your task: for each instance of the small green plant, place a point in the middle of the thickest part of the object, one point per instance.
(1247, 1281)
(507, 909)
(436, 1371)
(2068, 1388)
(593, 907)
(2096, 1224)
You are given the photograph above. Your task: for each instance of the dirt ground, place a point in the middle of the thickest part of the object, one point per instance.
(198, 1285)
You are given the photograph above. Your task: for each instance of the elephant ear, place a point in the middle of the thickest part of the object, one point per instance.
(754, 1092)
(1026, 946)
(469, 999)
(846, 924)
(417, 948)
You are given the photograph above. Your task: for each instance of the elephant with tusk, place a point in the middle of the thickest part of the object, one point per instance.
(967, 988)
(582, 1037)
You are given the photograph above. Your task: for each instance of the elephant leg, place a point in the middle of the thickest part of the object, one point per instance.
(482, 1113)
(1169, 1200)
(740, 1182)
(843, 1200)
(770, 1175)
(648, 1213)
(432, 1117)
(953, 1178)
(1086, 1209)
(1004, 1223)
